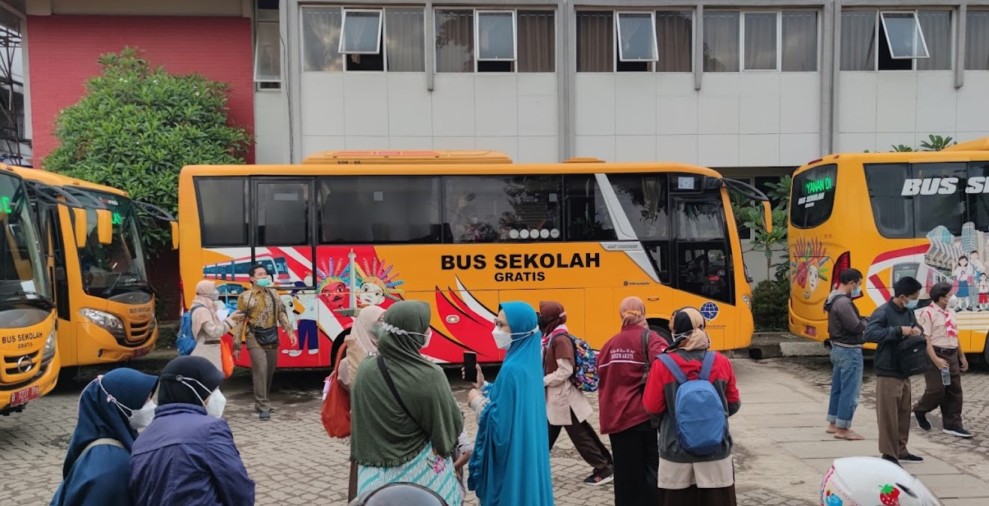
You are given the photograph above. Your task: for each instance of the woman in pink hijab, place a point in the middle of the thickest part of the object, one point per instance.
(207, 326)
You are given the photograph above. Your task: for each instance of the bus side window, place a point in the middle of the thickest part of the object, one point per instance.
(585, 214)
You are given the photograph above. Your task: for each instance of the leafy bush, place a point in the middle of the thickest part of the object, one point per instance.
(769, 305)
(138, 125)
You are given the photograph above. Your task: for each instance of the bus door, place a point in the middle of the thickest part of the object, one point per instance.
(282, 239)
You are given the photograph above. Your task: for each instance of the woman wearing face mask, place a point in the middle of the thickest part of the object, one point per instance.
(111, 410)
(265, 313)
(187, 455)
(405, 419)
(510, 463)
(206, 325)
(684, 477)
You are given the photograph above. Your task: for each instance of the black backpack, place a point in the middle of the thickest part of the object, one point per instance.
(911, 355)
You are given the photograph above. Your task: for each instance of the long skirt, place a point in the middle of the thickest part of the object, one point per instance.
(426, 469)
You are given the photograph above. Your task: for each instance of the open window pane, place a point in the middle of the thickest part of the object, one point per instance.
(977, 40)
(799, 39)
(405, 39)
(321, 39)
(675, 32)
(936, 25)
(595, 32)
(721, 41)
(903, 34)
(267, 53)
(636, 36)
(496, 36)
(361, 32)
(760, 41)
(454, 41)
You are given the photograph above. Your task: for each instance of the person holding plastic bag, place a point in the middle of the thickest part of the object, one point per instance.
(208, 327)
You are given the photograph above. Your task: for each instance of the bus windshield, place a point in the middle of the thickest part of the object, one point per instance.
(22, 271)
(118, 266)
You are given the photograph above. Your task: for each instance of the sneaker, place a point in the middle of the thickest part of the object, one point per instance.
(957, 431)
(286, 352)
(313, 352)
(264, 416)
(922, 420)
(596, 479)
(294, 353)
(891, 459)
(911, 458)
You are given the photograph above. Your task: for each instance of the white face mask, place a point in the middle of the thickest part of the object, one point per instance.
(383, 328)
(214, 296)
(215, 404)
(503, 340)
(139, 419)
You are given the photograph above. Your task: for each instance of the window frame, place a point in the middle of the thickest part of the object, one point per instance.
(878, 24)
(379, 50)
(477, 37)
(741, 40)
(918, 29)
(264, 19)
(254, 212)
(245, 182)
(693, 38)
(618, 38)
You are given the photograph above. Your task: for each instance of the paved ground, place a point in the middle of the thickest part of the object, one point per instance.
(781, 451)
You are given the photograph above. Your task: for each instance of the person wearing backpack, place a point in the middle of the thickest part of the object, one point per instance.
(566, 406)
(940, 325)
(693, 390)
(891, 325)
(623, 364)
(845, 328)
(205, 326)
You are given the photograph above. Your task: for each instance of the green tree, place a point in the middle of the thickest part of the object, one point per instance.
(138, 125)
(750, 215)
(936, 143)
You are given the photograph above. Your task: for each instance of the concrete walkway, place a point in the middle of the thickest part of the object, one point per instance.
(783, 446)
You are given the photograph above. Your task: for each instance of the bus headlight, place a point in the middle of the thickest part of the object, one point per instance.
(49, 352)
(104, 320)
(747, 299)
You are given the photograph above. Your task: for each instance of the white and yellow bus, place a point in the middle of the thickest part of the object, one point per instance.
(889, 215)
(464, 231)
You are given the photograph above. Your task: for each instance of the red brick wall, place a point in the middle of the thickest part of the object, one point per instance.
(62, 54)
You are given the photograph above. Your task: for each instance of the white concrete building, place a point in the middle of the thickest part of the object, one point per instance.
(753, 88)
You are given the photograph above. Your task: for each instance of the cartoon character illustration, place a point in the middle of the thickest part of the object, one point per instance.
(832, 499)
(978, 269)
(807, 265)
(889, 495)
(964, 275)
(331, 283)
(308, 330)
(983, 292)
(377, 284)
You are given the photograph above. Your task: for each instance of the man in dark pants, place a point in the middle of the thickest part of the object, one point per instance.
(890, 323)
(941, 328)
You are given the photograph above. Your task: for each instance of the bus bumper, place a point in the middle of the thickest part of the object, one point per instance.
(815, 330)
(13, 398)
(103, 348)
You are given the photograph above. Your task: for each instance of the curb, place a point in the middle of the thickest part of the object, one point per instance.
(783, 344)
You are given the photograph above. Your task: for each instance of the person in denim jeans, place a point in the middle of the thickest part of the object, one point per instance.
(845, 331)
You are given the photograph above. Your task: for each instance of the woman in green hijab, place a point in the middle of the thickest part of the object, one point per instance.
(409, 420)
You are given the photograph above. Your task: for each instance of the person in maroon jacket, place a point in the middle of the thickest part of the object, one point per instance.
(622, 368)
(685, 478)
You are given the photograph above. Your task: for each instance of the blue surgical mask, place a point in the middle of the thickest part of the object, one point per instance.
(912, 303)
(263, 282)
(857, 291)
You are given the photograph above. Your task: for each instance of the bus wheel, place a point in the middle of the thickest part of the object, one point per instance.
(662, 327)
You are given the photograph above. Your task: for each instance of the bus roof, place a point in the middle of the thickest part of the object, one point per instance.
(974, 145)
(406, 157)
(412, 169)
(53, 179)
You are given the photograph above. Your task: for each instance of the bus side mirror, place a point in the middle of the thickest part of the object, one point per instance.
(175, 234)
(767, 217)
(80, 226)
(104, 226)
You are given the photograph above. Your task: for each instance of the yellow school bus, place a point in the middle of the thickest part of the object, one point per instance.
(106, 308)
(890, 215)
(29, 360)
(464, 231)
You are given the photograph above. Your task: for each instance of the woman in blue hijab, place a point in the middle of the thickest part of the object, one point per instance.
(510, 464)
(111, 410)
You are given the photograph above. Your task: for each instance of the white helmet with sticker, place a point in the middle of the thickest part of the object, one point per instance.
(873, 481)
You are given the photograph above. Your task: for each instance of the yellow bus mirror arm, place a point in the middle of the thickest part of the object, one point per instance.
(767, 216)
(175, 234)
(104, 226)
(80, 226)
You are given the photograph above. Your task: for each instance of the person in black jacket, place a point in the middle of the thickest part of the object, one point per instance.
(845, 328)
(890, 323)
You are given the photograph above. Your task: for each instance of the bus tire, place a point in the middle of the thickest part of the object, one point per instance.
(661, 327)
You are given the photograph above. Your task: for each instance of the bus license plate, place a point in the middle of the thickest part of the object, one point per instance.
(23, 396)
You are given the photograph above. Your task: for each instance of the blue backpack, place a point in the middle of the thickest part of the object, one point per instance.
(186, 342)
(701, 417)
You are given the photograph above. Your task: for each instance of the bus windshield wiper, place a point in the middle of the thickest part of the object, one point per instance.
(128, 272)
(25, 295)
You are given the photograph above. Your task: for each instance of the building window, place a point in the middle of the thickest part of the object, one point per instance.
(391, 39)
(635, 41)
(267, 49)
(770, 40)
(505, 41)
(977, 40)
(873, 40)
